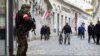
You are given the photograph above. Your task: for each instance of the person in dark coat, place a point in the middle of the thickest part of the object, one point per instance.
(42, 32)
(91, 32)
(67, 30)
(48, 32)
(23, 25)
(97, 32)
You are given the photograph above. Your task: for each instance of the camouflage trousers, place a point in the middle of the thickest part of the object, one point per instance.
(22, 44)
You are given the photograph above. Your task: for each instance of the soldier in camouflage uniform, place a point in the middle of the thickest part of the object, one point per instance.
(23, 25)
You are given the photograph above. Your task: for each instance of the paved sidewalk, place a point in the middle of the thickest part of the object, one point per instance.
(52, 48)
(2, 47)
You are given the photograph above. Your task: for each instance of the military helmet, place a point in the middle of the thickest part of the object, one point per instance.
(25, 6)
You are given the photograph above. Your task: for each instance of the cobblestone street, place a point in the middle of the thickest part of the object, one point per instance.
(52, 48)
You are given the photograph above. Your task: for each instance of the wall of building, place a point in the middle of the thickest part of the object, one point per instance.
(67, 15)
(84, 18)
(97, 16)
(97, 12)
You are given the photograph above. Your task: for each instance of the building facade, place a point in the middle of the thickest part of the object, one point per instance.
(96, 11)
(64, 12)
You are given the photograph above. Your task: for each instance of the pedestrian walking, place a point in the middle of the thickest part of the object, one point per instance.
(23, 25)
(43, 32)
(48, 32)
(97, 32)
(67, 30)
(82, 31)
(91, 32)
